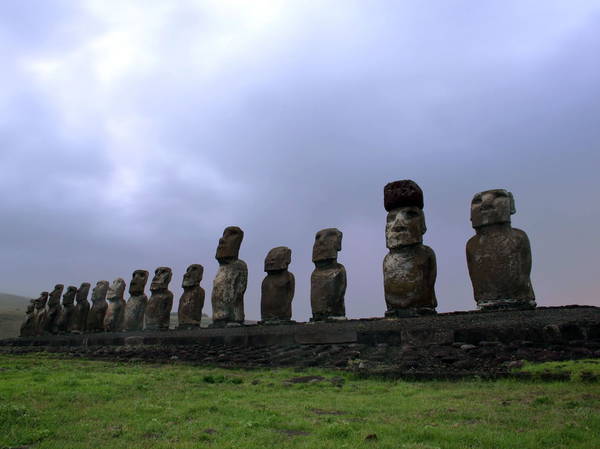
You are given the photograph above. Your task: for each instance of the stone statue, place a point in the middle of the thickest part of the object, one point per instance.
(53, 309)
(115, 313)
(67, 310)
(498, 256)
(158, 311)
(136, 305)
(95, 321)
(231, 280)
(28, 325)
(328, 280)
(80, 312)
(192, 300)
(409, 269)
(277, 287)
(40, 313)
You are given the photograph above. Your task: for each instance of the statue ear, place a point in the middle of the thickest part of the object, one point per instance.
(512, 203)
(424, 225)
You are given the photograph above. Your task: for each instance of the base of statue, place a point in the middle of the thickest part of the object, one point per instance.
(155, 327)
(410, 312)
(327, 319)
(506, 304)
(225, 323)
(276, 322)
(188, 326)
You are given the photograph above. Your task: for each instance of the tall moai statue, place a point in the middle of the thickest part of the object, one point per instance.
(78, 322)
(67, 309)
(278, 287)
(498, 255)
(28, 325)
(231, 280)
(95, 320)
(137, 302)
(158, 310)
(115, 313)
(54, 309)
(192, 300)
(409, 269)
(40, 313)
(328, 280)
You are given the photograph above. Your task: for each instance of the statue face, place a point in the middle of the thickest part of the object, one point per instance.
(83, 291)
(69, 296)
(138, 282)
(327, 244)
(229, 244)
(404, 226)
(30, 308)
(193, 275)
(116, 290)
(99, 291)
(162, 277)
(492, 207)
(278, 259)
(54, 297)
(40, 303)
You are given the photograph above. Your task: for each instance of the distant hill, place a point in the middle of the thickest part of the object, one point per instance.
(12, 313)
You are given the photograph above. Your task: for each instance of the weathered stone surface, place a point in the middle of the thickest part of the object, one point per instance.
(409, 269)
(115, 313)
(278, 287)
(28, 325)
(51, 325)
(328, 280)
(137, 302)
(192, 300)
(158, 311)
(95, 321)
(498, 256)
(231, 280)
(40, 313)
(78, 322)
(67, 309)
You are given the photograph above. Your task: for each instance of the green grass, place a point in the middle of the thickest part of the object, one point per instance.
(574, 369)
(52, 402)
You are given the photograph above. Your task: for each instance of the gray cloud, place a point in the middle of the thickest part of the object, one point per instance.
(131, 139)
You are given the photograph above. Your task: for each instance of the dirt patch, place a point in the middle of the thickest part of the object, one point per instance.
(320, 411)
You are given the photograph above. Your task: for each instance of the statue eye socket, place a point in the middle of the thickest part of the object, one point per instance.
(477, 201)
(411, 214)
(501, 195)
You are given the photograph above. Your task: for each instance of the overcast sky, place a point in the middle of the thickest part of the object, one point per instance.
(133, 132)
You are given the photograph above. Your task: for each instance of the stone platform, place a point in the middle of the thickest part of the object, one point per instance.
(444, 345)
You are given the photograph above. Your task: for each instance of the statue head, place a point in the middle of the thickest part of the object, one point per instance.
(31, 306)
(116, 290)
(327, 244)
(162, 277)
(83, 291)
(99, 291)
(69, 296)
(229, 244)
(404, 226)
(193, 275)
(40, 303)
(54, 297)
(278, 259)
(492, 207)
(139, 279)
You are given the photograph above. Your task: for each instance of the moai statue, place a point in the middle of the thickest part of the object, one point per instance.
(40, 313)
(231, 280)
(136, 305)
(95, 320)
(409, 269)
(80, 312)
(115, 313)
(158, 311)
(328, 280)
(192, 300)
(28, 325)
(277, 287)
(67, 310)
(54, 309)
(498, 256)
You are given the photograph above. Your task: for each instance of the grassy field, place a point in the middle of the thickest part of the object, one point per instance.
(52, 402)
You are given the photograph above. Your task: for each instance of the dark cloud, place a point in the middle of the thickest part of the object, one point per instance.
(133, 144)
